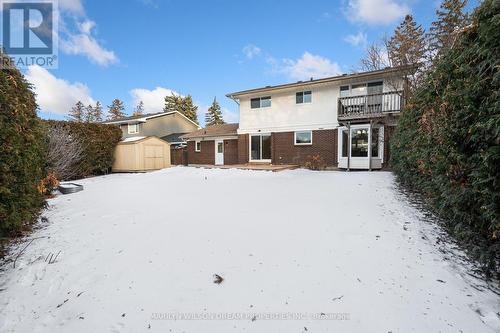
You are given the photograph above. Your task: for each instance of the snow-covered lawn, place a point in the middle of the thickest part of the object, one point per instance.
(344, 251)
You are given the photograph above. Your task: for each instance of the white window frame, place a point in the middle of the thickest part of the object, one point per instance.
(381, 144)
(250, 147)
(302, 144)
(260, 102)
(303, 93)
(136, 126)
(196, 146)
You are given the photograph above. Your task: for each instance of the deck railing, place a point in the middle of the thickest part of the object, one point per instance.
(366, 106)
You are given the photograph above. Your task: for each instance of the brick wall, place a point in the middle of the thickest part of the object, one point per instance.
(243, 149)
(230, 152)
(205, 156)
(284, 150)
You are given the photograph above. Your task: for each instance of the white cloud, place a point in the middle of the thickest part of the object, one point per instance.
(359, 39)
(72, 6)
(310, 65)
(376, 11)
(251, 51)
(55, 95)
(229, 116)
(154, 100)
(84, 43)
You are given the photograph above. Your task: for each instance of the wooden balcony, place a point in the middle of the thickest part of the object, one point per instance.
(370, 106)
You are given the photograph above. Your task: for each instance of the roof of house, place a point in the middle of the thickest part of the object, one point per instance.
(174, 138)
(145, 117)
(384, 71)
(214, 131)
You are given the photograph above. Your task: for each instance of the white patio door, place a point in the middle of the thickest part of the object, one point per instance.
(219, 152)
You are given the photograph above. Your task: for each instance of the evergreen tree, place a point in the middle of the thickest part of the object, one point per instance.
(214, 114)
(408, 47)
(89, 114)
(183, 105)
(116, 110)
(98, 116)
(139, 109)
(443, 31)
(77, 112)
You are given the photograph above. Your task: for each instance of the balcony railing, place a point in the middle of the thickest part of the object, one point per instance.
(369, 106)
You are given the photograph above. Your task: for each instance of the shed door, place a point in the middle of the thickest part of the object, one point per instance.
(153, 157)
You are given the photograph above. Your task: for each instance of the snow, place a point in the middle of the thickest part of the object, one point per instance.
(136, 250)
(132, 139)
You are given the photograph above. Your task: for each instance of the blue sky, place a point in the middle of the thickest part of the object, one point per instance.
(143, 49)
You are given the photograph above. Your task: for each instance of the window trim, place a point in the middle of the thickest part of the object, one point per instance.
(196, 150)
(136, 128)
(302, 144)
(365, 83)
(303, 94)
(260, 102)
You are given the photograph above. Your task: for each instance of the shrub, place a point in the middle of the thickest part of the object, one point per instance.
(22, 152)
(97, 143)
(447, 144)
(64, 152)
(315, 162)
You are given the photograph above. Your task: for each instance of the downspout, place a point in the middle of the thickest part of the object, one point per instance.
(370, 146)
(348, 146)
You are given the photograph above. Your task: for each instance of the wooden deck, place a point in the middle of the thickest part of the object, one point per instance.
(251, 166)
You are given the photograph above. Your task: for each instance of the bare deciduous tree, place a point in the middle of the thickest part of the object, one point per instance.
(64, 152)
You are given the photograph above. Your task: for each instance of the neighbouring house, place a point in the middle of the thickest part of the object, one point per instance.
(345, 121)
(213, 145)
(136, 154)
(165, 126)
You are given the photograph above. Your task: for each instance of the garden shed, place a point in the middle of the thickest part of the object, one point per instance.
(138, 154)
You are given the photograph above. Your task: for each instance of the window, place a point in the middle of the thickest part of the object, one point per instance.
(220, 147)
(133, 128)
(345, 143)
(344, 91)
(260, 102)
(260, 147)
(303, 97)
(359, 142)
(197, 146)
(303, 138)
(358, 89)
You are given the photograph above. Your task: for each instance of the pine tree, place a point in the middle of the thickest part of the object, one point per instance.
(77, 112)
(214, 114)
(89, 114)
(408, 47)
(189, 109)
(443, 31)
(116, 110)
(98, 116)
(181, 104)
(139, 109)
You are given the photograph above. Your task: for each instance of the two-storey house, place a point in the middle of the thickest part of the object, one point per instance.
(346, 121)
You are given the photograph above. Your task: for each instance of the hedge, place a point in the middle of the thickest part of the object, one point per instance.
(99, 142)
(22, 152)
(447, 143)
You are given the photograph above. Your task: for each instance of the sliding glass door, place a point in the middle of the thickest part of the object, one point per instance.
(260, 147)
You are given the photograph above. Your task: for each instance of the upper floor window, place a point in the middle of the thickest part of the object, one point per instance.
(303, 97)
(371, 88)
(260, 102)
(133, 128)
(344, 91)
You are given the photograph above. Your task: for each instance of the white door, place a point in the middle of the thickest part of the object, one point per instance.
(219, 152)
